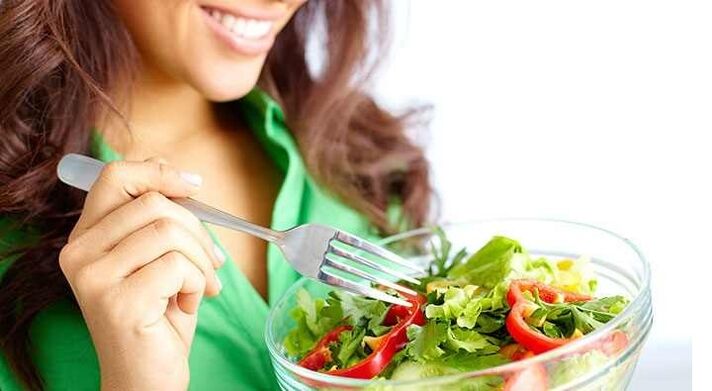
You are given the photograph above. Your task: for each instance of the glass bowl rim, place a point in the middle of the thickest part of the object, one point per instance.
(633, 308)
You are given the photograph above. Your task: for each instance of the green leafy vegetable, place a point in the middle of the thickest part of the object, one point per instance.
(490, 265)
(470, 341)
(425, 341)
(314, 319)
(561, 320)
(350, 349)
(361, 310)
(464, 306)
(454, 304)
(442, 263)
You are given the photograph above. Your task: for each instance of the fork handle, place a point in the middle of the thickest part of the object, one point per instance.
(82, 171)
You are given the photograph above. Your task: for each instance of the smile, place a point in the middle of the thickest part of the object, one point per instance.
(240, 26)
(243, 34)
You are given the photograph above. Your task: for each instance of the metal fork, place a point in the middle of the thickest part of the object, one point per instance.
(316, 251)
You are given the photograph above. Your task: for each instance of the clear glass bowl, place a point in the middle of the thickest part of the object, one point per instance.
(621, 270)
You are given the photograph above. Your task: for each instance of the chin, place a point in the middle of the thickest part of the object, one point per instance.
(228, 92)
(227, 85)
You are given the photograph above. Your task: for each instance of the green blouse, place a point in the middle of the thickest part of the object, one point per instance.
(228, 351)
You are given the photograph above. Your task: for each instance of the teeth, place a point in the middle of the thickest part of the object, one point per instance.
(262, 27)
(228, 21)
(242, 27)
(239, 27)
(250, 28)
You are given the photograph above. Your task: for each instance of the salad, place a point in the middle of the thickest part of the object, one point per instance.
(472, 311)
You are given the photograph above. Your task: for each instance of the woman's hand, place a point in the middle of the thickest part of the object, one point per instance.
(139, 265)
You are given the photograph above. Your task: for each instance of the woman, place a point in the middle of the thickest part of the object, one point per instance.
(212, 99)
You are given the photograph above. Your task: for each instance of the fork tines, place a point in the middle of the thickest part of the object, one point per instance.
(332, 261)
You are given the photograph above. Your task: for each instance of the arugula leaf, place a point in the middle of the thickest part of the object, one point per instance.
(490, 265)
(349, 347)
(441, 254)
(442, 264)
(561, 320)
(361, 310)
(425, 341)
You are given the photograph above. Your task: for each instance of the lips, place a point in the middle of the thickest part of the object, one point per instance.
(240, 26)
(249, 33)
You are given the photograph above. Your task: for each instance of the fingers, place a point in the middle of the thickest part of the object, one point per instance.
(150, 243)
(101, 238)
(122, 181)
(173, 275)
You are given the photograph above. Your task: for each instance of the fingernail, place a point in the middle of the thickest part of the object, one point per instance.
(220, 286)
(219, 254)
(193, 179)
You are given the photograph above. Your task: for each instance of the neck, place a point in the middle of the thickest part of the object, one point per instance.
(161, 114)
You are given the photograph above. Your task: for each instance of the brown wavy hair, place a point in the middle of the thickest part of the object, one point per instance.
(58, 61)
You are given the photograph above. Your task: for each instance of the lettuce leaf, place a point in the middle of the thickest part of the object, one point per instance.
(455, 301)
(504, 259)
(464, 306)
(490, 265)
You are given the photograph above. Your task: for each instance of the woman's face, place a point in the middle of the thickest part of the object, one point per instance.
(216, 46)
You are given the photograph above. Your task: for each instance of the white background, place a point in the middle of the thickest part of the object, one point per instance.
(586, 111)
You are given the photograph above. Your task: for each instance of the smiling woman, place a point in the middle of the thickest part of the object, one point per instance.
(104, 290)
